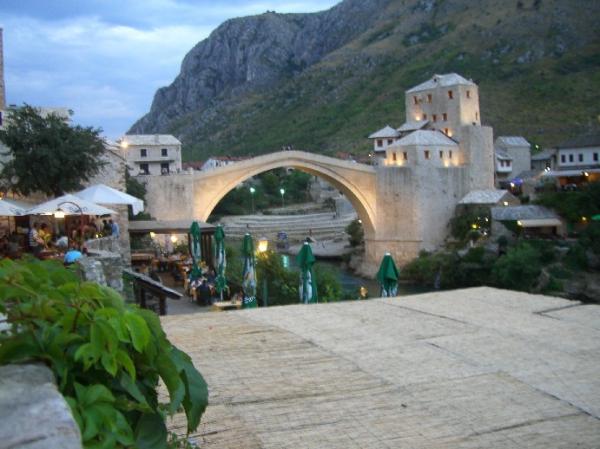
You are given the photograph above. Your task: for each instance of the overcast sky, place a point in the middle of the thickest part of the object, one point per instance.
(104, 59)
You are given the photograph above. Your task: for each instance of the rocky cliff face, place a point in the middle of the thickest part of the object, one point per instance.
(252, 53)
(324, 81)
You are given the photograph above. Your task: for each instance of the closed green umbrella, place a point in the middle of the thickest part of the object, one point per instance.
(308, 284)
(249, 274)
(388, 276)
(195, 250)
(220, 281)
(596, 217)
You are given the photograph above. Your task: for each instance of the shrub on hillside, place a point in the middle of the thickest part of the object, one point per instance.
(519, 268)
(356, 234)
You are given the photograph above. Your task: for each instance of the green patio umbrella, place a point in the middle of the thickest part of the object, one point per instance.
(388, 276)
(195, 250)
(249, 274)
(596, 217)
(308, 284)
(221, 281)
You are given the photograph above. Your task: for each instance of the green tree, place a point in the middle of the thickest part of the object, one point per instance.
(137, 189)
(519, 268)
(65, 155)
(356, 234)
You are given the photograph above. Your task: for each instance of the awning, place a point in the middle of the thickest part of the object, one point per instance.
(101, 194)
(167, 226)
(571, 173)
(539, 223)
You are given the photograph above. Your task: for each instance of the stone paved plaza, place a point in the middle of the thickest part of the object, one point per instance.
(474, 368)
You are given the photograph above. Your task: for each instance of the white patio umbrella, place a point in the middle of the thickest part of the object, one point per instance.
(103, 194)
(8, 209)
(70, 205)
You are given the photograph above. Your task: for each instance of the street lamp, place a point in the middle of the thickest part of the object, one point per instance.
(282, 191)
(252, 190)
(263, 245)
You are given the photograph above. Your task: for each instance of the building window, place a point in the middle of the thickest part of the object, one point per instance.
(434, 116)
(570, 158)
(445, 117)
(416, 100)
(450, 95)
(405, 156)
(164, 152)
(441, 155)
(390, 141)
(379, 143)
(468, 94)
(144, 169)
(426, 154)
(563, 159)
(424, 116)
(143, 152)
(164, 168)
(595, 157)
(394, 156)
(450, 154)
(429, 98)
(580, 157)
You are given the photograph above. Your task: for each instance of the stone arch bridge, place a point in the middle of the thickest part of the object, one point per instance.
(402, 210)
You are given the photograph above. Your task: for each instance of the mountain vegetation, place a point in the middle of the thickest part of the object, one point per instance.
(323, 81)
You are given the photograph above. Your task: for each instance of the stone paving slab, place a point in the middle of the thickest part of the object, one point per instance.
(475, 368)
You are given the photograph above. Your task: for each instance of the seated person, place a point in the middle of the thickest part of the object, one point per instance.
(62, 242)
(45, 234)
(203, 294)
(72, 256)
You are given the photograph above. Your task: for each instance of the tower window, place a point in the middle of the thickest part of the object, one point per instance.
(424, 116)
(450, 154)
(434, 116)
(416, 100)
(468, 94)
(445, 117)
(379, 143)
(441, 155)
(563, 159)
(429, 98)
(595, 157)
(405, 156)
(394, 157)
(390, 141)
(143, 152)
(580, 157)
(163, 152)
(426, 154)
(570, 158)
(450, 95)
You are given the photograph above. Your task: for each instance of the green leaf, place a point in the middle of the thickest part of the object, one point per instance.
(92, 420)
(138, 330)
(109, 362)
(125, 361)
(196, 398)
(151, 432)
(131, 387)
(170, 375)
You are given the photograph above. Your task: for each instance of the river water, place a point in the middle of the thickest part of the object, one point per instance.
(351, 282)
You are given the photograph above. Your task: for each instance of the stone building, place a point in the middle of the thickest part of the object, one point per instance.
(151, 154)
(513, 157)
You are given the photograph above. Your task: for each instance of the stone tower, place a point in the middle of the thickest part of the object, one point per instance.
(2, 88)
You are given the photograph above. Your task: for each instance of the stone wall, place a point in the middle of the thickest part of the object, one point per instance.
(103, 267)
(33, 414)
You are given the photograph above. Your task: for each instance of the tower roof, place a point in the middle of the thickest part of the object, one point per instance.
(426, 137)
(387, 131)
(449, 79)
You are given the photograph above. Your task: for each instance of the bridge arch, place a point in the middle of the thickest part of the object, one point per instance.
(356, 181)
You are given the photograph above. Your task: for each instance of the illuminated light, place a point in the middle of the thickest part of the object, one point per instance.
(474, 226)
(417, 118)
(487, 219)
(583, 218)
(174, 238)
(360, 221)
(449, 133)
(152, 235)
(59, 214)
(252, 190)
(586, 174)
(263, 245)
(124, 144)
(363, 292)
(512, 184)
(282, 191)
(505, 203)
(519, 223)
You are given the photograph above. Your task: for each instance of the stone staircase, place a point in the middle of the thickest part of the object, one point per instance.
(324, 226)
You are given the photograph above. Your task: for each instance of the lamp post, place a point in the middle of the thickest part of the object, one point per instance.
(60, 214)
(282, 191)
(252, 191)
(263, 245)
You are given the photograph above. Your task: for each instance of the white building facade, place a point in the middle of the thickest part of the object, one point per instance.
(151, 154)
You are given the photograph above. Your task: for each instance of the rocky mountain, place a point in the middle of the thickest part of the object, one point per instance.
(323, 81)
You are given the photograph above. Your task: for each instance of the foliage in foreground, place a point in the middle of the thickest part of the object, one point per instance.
(107, 356)
(66, 155)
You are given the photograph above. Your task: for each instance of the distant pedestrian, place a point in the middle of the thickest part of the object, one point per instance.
(35, 241)
(115, 231)
(106, 228)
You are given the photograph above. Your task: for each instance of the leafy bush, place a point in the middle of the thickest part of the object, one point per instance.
(329, 287)
(107, 356)
(282, 284)
(356, 233)
(519, 268)
(477, 219)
